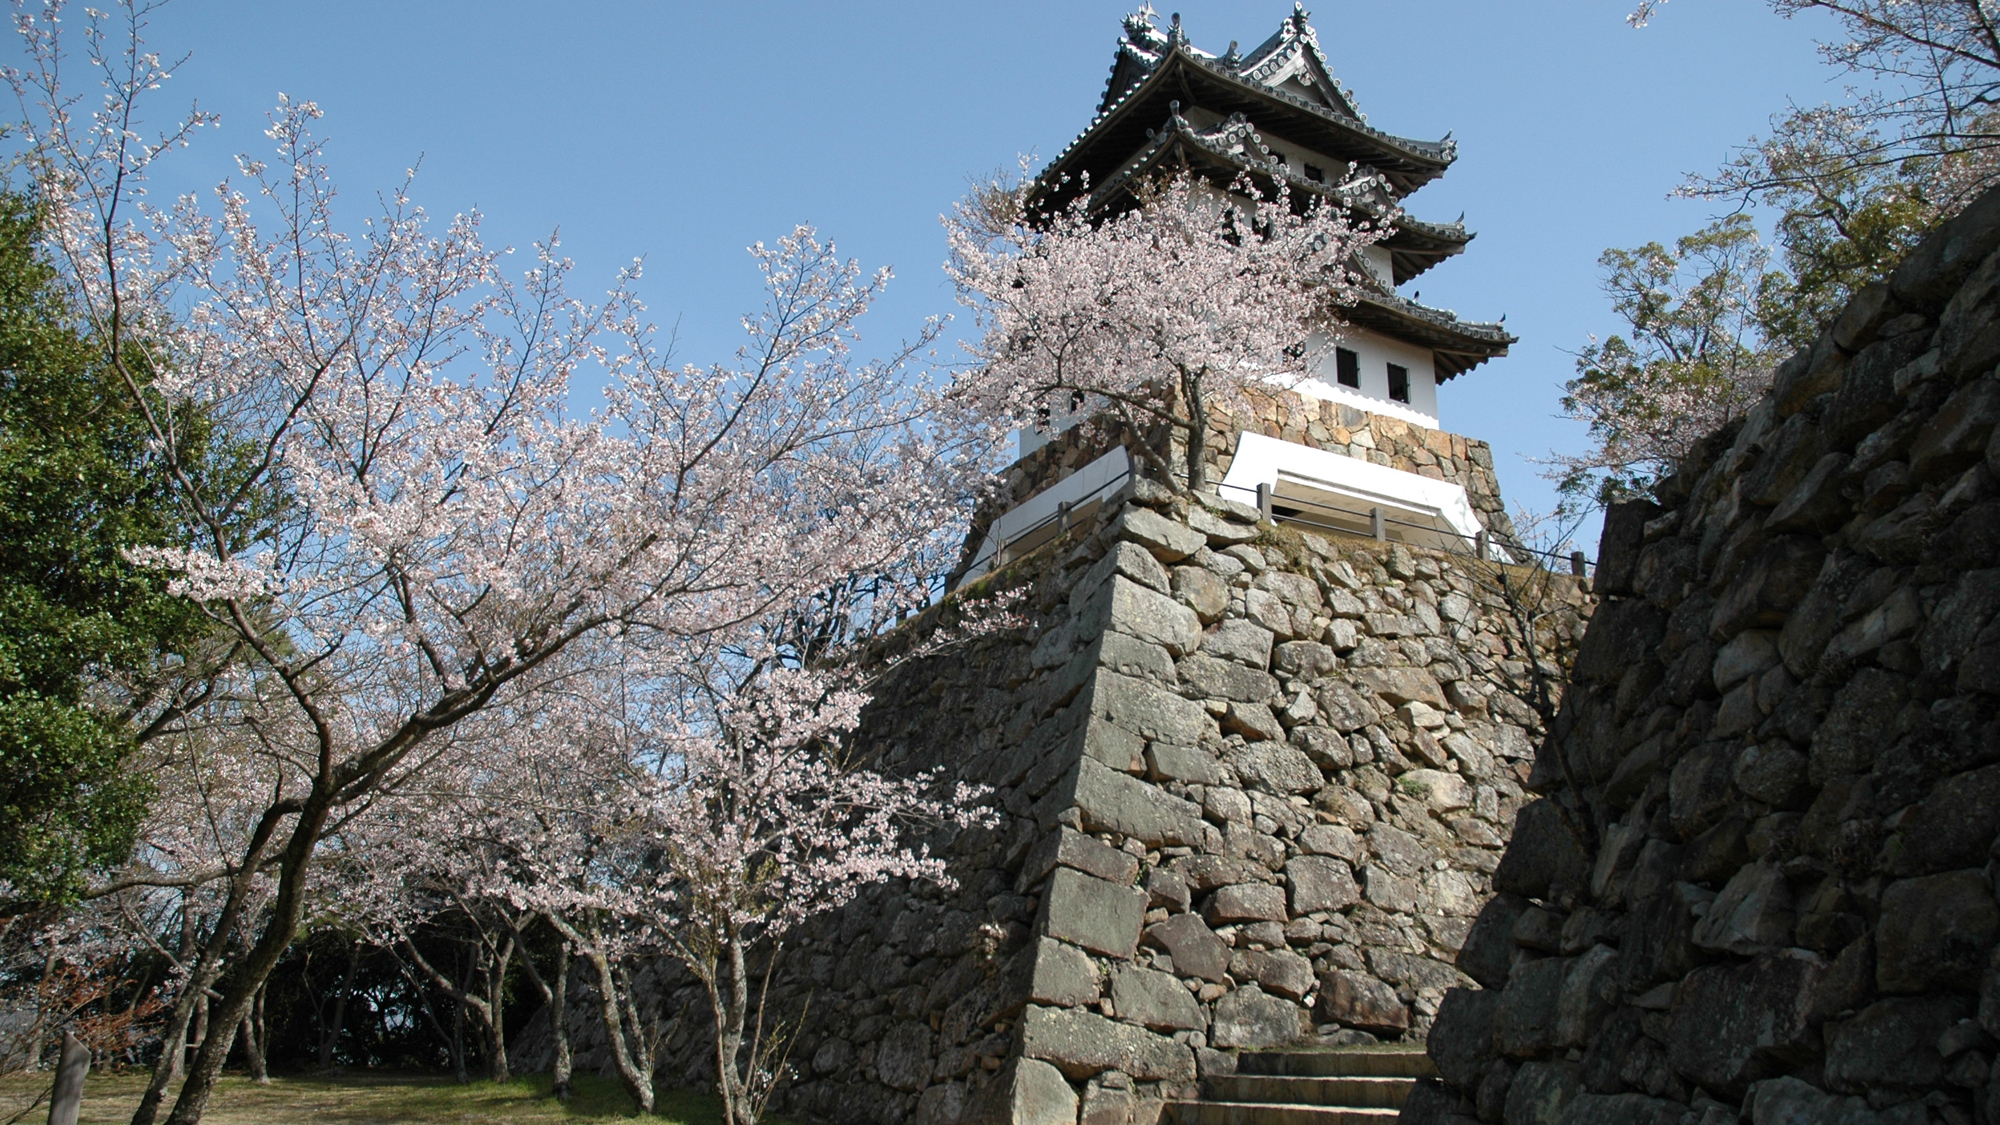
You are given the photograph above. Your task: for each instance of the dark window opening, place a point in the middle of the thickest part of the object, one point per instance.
(1315, 173)
(1399, 383)
(1347, 368)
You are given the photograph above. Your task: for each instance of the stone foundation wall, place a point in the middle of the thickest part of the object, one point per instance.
(1760, 885)
(1331, 426)
(1255, 785)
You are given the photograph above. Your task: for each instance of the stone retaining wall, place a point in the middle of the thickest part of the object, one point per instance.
(1759, 887)
(1335, 427)
(1254, 783)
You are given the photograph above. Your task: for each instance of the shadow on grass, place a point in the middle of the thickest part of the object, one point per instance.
(393, 1098)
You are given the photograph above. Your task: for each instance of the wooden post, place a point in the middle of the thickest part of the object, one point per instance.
(1479, 545)
(66, 1102)
(1264, 501)
(1375, 524)
(1062, 515)
(1576, 563)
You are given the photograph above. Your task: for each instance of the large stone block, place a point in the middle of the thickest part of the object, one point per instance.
(1275, 767)
(1066, 847)
(903, 1059)
(1626, 1109)
(1318, 882)
(1081, 1043)
(1733, 1025)
(1461, 1038)
(1196, 951)
(1618, 547)
(1026, 1092)
(1932, 272)
(1620, 632)
(1488, 953)
(1277, 971)
(1202, 591)
(1539, 1093)
(1250, 1018)
(1761, 596)
(1345, 709)
(1242, 641)
(1168, 541)
(1542, 853)
(1060, 975)
(1149, 710)
(1152, 617)
(1109, 801)
(1358, 1000)
(1589, 990)
(1098, 915)
(1206, 677)
(1402, 685)
(1753, 913)
(1524, 1024)
(1892, 1043)
(1154, 1000)
(1957, 435)
(1935, 932)
(1789, 1101)
(1246, 902)
(1954, 827)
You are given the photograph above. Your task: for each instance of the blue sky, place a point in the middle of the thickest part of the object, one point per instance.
(682, 132)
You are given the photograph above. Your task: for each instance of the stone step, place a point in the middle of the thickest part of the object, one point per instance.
(1354, 1092)
(1377, 1063)
(1266, 1113)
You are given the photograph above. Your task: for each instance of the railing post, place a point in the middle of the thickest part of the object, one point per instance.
(1479, 545)
(1576, 563)
(1264, 501)
(1062, 515)
(1375, 524)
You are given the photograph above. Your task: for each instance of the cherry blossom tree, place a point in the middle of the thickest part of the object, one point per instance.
(1157, 315)
(452, 525)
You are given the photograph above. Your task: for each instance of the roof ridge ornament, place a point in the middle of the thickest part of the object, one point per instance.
(1299, 16)
(1232, 58)
(1177, 35)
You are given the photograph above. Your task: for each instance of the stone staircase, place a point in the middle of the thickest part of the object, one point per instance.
(1340, 1086)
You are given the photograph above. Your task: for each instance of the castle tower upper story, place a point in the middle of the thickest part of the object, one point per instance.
(1278, 114)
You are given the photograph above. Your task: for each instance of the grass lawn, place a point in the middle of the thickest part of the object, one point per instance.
(364, 1098)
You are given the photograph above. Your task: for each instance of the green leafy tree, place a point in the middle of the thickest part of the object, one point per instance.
(1695, 355)
(96, 657)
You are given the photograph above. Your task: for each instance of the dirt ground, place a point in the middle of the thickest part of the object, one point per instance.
(362, 1098)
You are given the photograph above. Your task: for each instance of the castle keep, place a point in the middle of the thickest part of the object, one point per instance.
(1259, 749)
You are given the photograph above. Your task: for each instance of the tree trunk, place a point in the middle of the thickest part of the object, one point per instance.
(635, 1069)
(252, 1033)
(458, 1070)
(496, 1012)
(282, 925)
(559, 1062)
(330, 1039)
(736, 1108)
(1197, 442)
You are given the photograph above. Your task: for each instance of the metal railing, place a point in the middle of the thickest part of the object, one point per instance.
(1008, 548)
(1480, 546)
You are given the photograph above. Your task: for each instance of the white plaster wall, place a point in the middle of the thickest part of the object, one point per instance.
(1376, 353)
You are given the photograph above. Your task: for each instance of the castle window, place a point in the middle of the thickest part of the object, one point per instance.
(1315, 173)
(1399, 383)
(1347, 368)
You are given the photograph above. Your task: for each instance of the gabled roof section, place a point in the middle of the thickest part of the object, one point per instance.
(1234, 147)
(1301, 100)
(1291, 60)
